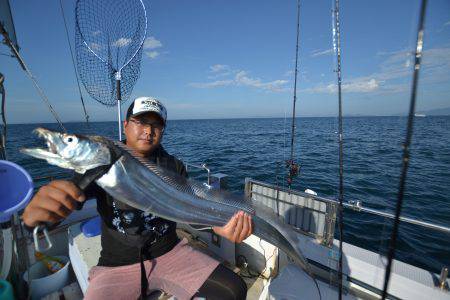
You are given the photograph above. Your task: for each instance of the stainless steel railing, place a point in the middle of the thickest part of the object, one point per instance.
(202, 167)
(358, 206)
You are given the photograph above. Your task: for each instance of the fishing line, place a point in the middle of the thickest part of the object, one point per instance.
(284, 146)
(5, 54)
(30, 75)
(73, 62)
(337, 51)
(406, 145)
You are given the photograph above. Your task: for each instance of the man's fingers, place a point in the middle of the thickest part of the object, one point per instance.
(56, 207)
(233, 222)
(61, 196)
(239, 225)
(245, 229)
(70, 188)
(43, 215)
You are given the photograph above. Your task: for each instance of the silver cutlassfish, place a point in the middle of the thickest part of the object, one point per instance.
(148, 187)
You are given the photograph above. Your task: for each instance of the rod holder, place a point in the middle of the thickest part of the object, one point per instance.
(443, 279)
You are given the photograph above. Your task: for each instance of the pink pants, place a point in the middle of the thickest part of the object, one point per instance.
(180, 272)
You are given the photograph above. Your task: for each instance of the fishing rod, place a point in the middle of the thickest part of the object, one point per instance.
(2, 111)
(406, 145)
(293, 167)
(337, 51)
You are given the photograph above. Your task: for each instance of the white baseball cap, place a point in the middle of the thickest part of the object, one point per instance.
(143, 105)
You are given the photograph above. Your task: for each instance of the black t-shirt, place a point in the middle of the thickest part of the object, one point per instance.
(125, 229)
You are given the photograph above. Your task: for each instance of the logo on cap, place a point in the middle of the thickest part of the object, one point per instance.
(148, 104)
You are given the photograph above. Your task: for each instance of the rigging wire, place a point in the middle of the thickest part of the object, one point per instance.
(406, 145)
(337, 51)
(31, 76)
(73, 62)
(290, 164)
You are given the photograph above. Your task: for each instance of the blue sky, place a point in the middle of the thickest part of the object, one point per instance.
(232, 59)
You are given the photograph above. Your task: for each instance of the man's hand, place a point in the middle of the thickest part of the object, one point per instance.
(237, 229)
(52, 203)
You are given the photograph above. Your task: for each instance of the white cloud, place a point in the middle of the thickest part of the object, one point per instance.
(288, 73)
(318, 52)
(359, 85)
(219, 68)
(152, 54)
(95, 46)
(241, 78)
(447, 23)
(436, 66)
(395, 72)
(122, 42)
(216, 83)
(152, 43)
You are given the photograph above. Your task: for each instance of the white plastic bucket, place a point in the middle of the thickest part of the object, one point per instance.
(43, 282)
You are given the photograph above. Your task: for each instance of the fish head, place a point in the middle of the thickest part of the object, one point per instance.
(71, 151)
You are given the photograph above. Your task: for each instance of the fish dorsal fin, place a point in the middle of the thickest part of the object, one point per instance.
(186, 185)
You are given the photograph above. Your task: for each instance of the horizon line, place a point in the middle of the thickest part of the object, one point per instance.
(227, 118)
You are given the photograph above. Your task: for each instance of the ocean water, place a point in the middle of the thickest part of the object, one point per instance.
(257, 148)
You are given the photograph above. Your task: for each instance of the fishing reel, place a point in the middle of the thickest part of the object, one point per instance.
(293, 170)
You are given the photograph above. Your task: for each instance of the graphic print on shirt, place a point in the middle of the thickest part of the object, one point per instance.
(116, 221)
(128, 217)
(146, 221)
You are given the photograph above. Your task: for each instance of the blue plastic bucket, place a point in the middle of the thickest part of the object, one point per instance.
(6, 290)
(16, 189)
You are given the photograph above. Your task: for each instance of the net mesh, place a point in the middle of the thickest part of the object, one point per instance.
(108, 39)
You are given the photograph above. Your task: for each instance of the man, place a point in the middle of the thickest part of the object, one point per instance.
(141, 252)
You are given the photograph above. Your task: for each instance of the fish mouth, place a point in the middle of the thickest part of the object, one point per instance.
(51, 138)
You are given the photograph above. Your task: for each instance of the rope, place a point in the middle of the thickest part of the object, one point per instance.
(406, 145)
(73, 62)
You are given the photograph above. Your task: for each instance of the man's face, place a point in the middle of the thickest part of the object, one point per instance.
(144, 132)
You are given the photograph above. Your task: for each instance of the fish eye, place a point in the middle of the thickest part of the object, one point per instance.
(70, 139)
